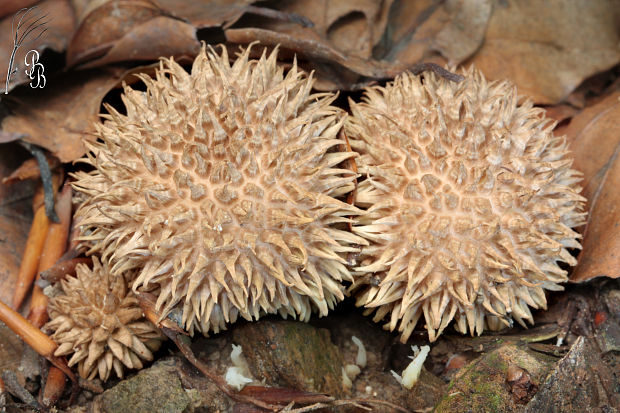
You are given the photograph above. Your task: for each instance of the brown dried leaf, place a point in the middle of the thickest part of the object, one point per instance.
(549, 48)
(158, 37)
(61, 22)
(595, 142)
(206, 13)
(464, 33)
(353, 27)
(8, 7)
(339, 47)
(59, 116)
(420, 29)
(100, 27)
(30, 169)
(15, 217)
(308, 45)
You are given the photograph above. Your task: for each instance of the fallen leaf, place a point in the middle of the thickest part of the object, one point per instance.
(549, 48)
(465, 31)
(30, 169)
(11, 6)
(316, 53)
(434, 31)
(595, 143)
(158, 37)
(353, 27)
(100, 27)
(60, 24)
(206, 13)
(59, 116)
(15, 217)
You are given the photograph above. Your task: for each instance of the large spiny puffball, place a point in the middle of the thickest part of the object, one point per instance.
(470, 202)
(219, 188)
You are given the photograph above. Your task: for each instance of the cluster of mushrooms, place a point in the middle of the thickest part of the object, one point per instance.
(235, 191)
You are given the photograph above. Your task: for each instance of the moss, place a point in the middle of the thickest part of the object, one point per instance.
(157, 387)
(481, 386)
(292, 354)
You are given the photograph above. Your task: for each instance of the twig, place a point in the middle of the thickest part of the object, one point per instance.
(46, 178)
(31, 256)
(13, 386)
(34, 337)
(419, 68)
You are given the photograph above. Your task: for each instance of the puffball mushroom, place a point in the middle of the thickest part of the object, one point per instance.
(98, 321)
(469, 201)
(219, 189)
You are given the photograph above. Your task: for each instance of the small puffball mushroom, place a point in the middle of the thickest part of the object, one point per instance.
(97, 320)
(219, 189)
(470, 203)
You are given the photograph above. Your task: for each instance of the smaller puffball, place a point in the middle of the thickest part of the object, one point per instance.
(97, 321)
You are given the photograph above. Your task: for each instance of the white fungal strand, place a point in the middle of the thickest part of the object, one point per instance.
(412, 372)
(237, 376)
(360, 360)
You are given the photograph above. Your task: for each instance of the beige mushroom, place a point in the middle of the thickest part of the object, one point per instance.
(470, 203)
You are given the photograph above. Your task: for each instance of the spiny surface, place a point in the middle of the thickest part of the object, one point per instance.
(99, 321)
(219, 188)
(470, 203)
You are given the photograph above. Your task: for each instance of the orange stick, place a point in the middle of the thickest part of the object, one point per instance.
(54, 387)
(34, 337)
(55, 245)
(30, 259)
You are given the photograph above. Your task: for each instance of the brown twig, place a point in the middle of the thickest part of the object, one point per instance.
(420, 68)
(34, 337)
(53, 249)
(30, 259)
(182, 341)
(54, 387)
(63, 268)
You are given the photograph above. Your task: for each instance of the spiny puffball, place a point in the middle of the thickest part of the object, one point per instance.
(469, 202)
(99, 322)
(219, 189)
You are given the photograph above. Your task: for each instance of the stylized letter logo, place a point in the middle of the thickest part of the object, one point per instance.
(34, 69)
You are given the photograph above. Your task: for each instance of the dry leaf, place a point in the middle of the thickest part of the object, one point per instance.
(102, 26)
(61, 22)
(30, 169)
(353, 27)
(8, 7)
(421, 29)
(158, 37)
(595, 142)
(206, 13)
(59, 116)
(465, 31)
(548, 48)
(338, 47)
(15, 217)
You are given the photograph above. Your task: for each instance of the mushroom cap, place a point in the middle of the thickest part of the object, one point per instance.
(469, 199)
(219, 188)
(98, 320)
